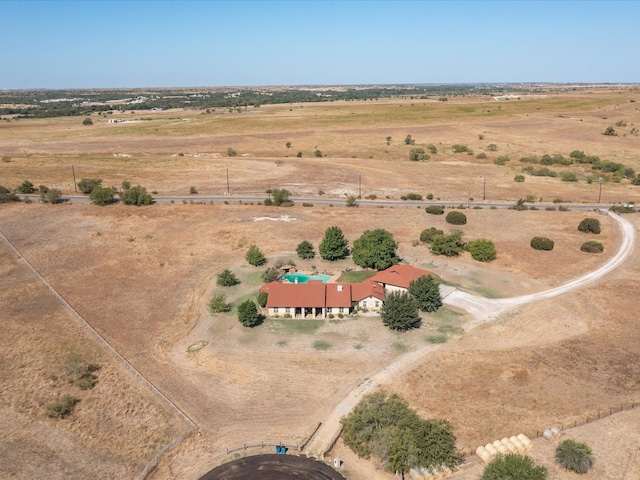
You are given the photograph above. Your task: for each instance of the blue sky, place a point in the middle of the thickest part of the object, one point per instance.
(104, 44)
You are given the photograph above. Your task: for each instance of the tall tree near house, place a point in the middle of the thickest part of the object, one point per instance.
(400, 311)
(333, 246)
(426, 291)
(375, 249)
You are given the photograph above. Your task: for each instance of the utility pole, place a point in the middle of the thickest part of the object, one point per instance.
(600, 191)
(227, 181)
(484, 190)
(75, 185)
(359, 185)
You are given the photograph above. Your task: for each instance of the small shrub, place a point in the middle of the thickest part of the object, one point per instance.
(26, 187)
(492, 147)
(574, 456)
(262, 299)
(568, 177)
(459, 148)
(218, 303)
(248, 314)
(429, 196)
(481, 156)
(456, 218)
(87, 185)
(428, 234)
(305, 250)
(610, 131)
(418, 154)
(432, 149)
(307, 204)
(87, 121)
(63, 407)
(226, 278)
(514, 466)
(268, 202)
(622, 209)
(231, 152)
(501, 160)
(408, 140)
(518, 178)
(270, 274)
(101, 196)
(299, 154)
(435, 209)
(317, 153)
(592, 246)
(193, 190)
(411, 196)
(590, 225)
(542, 243)
(482, 250)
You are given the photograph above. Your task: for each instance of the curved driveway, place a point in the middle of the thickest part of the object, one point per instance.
(481, 309)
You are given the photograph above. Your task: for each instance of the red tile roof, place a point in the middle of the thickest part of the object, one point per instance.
(310, 294)
(366, 289)
(400, 275)
(338, 294)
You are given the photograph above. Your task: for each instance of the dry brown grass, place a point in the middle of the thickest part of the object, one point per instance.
(142, 277)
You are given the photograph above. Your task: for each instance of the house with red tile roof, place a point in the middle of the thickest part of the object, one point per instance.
(398, 277)
(315, 299)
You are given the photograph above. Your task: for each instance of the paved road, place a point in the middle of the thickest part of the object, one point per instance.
(331, 201)
(482, 309)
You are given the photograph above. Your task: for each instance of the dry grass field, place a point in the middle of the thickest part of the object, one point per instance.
(143, 276)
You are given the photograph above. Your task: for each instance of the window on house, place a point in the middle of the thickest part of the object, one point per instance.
(377, 303)
(275, 309)
(287, 310)
(364, 304)
(341, 310)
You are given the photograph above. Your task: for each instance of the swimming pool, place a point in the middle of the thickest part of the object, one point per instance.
(304, 278)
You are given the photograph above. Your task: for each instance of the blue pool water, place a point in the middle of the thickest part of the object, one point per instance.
(304, 278)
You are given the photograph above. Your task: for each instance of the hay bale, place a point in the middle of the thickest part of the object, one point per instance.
(547, 434)
(484, 454)
(500, 447)
(416, 474)
(525, 440)
(555, 430)
(509, 444)
(516, 441)
(426, 473)
(491, 449)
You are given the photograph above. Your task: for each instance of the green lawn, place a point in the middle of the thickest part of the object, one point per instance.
(356, 276)
(292, 326)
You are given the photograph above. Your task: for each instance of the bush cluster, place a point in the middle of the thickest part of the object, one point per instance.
(435, 209)
(592, 247)
(542, 243)
(456, 218)
(589, 225)
(574, 456)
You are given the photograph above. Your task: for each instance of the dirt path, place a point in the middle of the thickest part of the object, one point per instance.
(482, 310)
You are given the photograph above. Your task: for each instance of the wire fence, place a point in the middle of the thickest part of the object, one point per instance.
(289, 445)
(192, 426)
(591, 417)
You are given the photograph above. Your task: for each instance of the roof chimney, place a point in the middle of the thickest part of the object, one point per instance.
(339, 288)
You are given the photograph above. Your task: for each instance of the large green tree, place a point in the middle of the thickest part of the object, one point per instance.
(281, 197)
(101, 195)
(426, 290)
(400, 311)
(136, 196)
(375, 249)
(87, 185)
(384, 426)
(333, 246)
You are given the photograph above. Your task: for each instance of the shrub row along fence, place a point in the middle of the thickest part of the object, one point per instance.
(191, 425)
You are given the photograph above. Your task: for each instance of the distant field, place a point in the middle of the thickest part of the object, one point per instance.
(143, 276)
